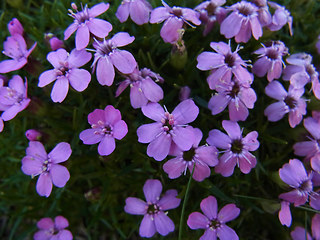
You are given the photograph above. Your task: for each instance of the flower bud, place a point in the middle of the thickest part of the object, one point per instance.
(184, 93)
(33, 135)
(15, 27)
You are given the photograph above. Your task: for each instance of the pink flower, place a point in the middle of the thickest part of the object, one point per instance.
(13, 99)
(143, 88)
(138, 10)
(155, 218)
(86, 23)
(169, 128)
(223, 64)
(184, 93)
(66, 70)
(174, 19)
(199, 158)
(241, 22)
(288, 102)
(108, 56)
(55, 43)
(15, 47)
(214, 222)
(270, 60)
(49, 230)
(15, 27)
(38, 162)
(106, 125)
(33, 135)
(237, 148)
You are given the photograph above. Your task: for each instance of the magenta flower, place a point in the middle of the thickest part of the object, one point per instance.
(15, 47)
(142, 87)
(295, 175)
(33, 135)
(38, 162)
(237, 148)
(300, 233)
(66, 70)
(280, 18)
(106, 125)
(210, 13)
(214, 222)
(223, 64)
(86, 23)
(238, 97)
(139, 11)
(288, 102)
(174, 19)
(155, 218)
(241, 22)
(199, 158)
(13, 99)
(108, 56)
(169, 128)
(270, 60)
(310, 149)
(49, 230)
(15, 27)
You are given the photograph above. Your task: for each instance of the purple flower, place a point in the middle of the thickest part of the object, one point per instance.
(33, 135)
(15, 27)
(15, 47)
(237, 149)
(86, 23)
(108, 56)
(210, 13)
(66, 70)
(270, 60)
(295, 175)
(184, 93)
(288, 102)
(238, 97)
(138, 10)
(55, 43)
(280, 18)
(214, 222)
(285, 214)
(223, 64)
(106, 125)
(49, 230)
(263, 12)
(155, 219)
(318, 45)
(241, 22)
(199, 158)
(300, 233)
(38, 162)
(168, 129)
(142, 87)
(174, 19)
(13, 99)
(310, 149)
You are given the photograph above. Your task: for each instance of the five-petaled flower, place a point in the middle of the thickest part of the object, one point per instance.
(155, 218)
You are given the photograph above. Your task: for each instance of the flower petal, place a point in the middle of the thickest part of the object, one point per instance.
(186, 112)
(99, 27)
(79, 79)
(82, 37)
(123, 61)
(106, 146)
(105, 71)
(197, 220)
(60, 153)
(60, 89)
(47, 77)
(169, 200)
(153, 111)
(148, 132)
(59, 175)
(147, 226)
(44, 185)
(135, 206)
(228, 213)
(120, 129)
(163, 223)
(209, 207)
(152, 190)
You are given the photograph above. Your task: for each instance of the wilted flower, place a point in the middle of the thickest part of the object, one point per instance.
(15, 27)
(241, 22)
(108, 56)
(280, 18)
(155, 219)
(197, 159)
(288, 102)
(86, 23)
(214, 222)
(49, 230)
(38, 162)
(169, 128)
(142, 87)
(174, 19)
(237, 148)
(106, 125)
(66, 70)
(270, 60)
(138, 10)
(223, 64)
(15, 47)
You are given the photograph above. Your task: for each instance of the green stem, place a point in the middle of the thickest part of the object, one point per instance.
(184, 204)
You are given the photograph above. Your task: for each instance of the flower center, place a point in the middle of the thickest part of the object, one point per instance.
(46, 165)
(235, 90)
(215, 223)
(177, 11)
(230, 60)
(245, 9)
(306, 187)
(153, 209)
(211, 8)
(188, 155)
(272, 53)
(102, 128)
(167, 122)
(290, 102)
(236, 146)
